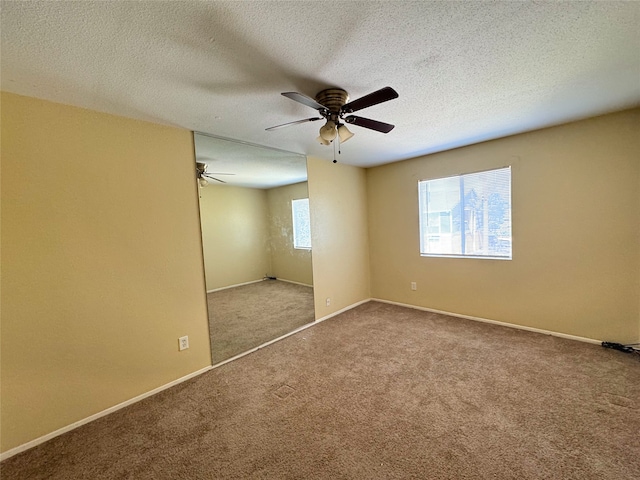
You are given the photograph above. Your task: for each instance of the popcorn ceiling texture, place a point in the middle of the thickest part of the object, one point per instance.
(465, 71)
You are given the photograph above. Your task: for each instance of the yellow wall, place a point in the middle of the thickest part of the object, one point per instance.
(576, 232)
(338, 205)
(247, 233)
(235, 232)
(287, 263)
(101, 264)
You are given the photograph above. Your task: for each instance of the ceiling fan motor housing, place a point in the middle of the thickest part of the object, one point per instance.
(333, 99)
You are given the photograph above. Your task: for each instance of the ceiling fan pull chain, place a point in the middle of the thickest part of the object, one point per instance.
(334, 149)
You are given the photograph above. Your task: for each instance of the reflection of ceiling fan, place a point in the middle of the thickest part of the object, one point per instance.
(332, 106)
(203, 176)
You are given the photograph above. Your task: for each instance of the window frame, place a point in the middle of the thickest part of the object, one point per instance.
(422, 216)
(294, 229)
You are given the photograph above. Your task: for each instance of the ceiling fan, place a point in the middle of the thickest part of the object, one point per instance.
(334, 107)
(203, 176)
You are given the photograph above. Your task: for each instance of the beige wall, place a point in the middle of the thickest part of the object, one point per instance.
(247, 233)
(287, 263)
(101, 264)
(235, 232)
(338, 204)
(576, 232)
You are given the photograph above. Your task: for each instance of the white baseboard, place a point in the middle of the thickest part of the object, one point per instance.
(292, 281)
(236, 285)
(494, 322)
(342, 310)
(91, 418)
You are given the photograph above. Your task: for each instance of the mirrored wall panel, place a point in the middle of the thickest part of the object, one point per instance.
(254, 211)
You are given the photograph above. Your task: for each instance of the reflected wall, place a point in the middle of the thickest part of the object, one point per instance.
(248, 235)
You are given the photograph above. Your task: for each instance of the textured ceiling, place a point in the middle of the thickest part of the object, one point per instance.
(240, 164)
(465, 71)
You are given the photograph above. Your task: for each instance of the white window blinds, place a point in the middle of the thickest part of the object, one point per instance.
(467, 215)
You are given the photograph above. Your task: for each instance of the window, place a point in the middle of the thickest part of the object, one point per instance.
(467, 215)
(301, 223)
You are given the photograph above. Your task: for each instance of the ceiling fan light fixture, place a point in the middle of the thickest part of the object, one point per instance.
(203, 182)
(344, 133)
(322, 141)
(328, 132)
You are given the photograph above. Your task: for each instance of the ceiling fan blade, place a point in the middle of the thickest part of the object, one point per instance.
(308, 101)
(383, 95)
(217, 173)
(368, 123)
(294, 123)
(211, 177)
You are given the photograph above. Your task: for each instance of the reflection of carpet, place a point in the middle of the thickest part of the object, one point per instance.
(244, 317)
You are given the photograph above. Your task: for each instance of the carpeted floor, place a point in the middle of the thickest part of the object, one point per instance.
(379, 392)
(245, 317)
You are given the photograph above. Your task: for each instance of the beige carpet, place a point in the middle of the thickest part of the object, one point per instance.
(245, 317)
(379, 392)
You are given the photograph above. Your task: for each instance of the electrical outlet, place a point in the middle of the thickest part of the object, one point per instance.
(414, 286)
(328, 301)
(183, 343)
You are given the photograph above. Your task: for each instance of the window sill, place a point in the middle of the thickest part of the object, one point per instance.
(480, 257)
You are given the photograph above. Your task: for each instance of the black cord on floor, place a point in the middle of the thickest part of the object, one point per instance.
(623, 348)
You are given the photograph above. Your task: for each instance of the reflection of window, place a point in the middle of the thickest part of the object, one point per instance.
(301, 223)
(466, 215)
